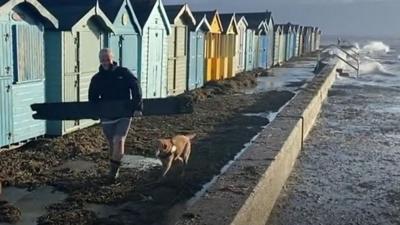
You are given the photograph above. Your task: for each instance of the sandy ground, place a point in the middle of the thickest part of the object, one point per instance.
(349, 172)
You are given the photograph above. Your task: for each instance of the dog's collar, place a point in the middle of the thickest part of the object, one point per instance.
(173, 149)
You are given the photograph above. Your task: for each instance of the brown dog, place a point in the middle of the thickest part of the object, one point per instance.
(176, 148)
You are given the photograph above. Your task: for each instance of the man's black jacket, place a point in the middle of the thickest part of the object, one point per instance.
(117, 83)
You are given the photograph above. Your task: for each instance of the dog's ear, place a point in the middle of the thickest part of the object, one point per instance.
(163, 143)
(190, 136)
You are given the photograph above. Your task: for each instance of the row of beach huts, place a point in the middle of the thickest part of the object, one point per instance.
(49, 52)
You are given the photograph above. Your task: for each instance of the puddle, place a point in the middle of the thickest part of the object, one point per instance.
(139, 162)
(286, 78)
(32, 204)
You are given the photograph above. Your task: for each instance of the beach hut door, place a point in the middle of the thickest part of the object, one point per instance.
(200, 60)
(128, 47)
(6, 73)
(5, 114)
(192, 61)
(155, 63)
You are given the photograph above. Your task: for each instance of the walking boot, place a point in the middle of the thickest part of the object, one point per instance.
(114, 170)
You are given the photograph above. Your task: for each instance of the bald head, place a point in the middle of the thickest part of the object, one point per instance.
(106, 58)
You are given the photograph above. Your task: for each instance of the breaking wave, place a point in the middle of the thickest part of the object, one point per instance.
(375, 47)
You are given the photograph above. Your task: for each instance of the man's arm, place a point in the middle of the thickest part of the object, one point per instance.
(136, 91)
(94, 92)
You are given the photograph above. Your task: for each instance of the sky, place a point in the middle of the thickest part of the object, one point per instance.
(373, 18)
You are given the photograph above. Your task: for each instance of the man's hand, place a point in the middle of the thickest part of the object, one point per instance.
(137, 114)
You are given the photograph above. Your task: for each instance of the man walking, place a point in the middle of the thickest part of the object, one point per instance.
(114, 82)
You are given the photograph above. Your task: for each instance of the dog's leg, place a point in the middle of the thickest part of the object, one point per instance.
(187, 153)
(185, 160)
(167, 167)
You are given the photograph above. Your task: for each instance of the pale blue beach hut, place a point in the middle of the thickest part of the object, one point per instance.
(196, 57)
(126, 38)
(257, 42)
(72, 55)
(22, 72)
(153, 56)
(277, 44)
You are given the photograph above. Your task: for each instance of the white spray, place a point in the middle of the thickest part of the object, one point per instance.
(375, 47)
(368, 64)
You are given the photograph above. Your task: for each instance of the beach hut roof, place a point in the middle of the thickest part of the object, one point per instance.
(175, 11)
(209, 15)
(296, 27)
(201, 22)
(143, 9)
(68, 17)
(277, 27)
(33, 5)
(286, 27)
(254, 20)
(241, 18)
(227, 20)
(70, 12)
(111, 9)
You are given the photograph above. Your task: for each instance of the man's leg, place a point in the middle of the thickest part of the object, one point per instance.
(118, 143)
(109, 130)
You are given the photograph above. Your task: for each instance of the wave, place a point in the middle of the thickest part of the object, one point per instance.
(375, 47)
(373, 67)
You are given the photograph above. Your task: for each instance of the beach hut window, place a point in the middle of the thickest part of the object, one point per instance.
(29, 53)
(125, 19)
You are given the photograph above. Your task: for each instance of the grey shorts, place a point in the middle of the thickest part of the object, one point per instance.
(116, 128)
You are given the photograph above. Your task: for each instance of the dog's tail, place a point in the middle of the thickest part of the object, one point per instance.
(190, 136)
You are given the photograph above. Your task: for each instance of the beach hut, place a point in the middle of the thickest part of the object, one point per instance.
(269, 24)
(318, 38)
(72, 55)
(256, 40)
(125, 40)
(307, 32)
(282, 45)
(213, 45)
(296, 39)
(153, 56)
(277, 43)
(250, 49)
(289, 41)
(241, 43)
(260, 47)
(300, 43)
(263, 25)
(22, 74)
(313, 35)
(228, 46)
(180, 18)
(196, 55)
(293, 41)
(304, 39)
